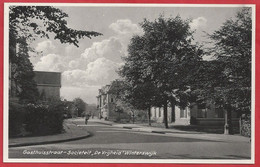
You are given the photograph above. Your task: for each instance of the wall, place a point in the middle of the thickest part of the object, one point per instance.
(214, 117)
(50, 92)
(215, 121)
(48, 78)
(48, 83)
(108, 107)
(209, 111)
(157, 115)
(211, 118)
(182, 120)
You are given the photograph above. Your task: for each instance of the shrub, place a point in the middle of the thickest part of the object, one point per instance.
(16, 119)
(43, 119)
(122, 117)
(141, 116)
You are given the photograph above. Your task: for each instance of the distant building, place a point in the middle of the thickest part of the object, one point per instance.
(48, 84)
(106, 101)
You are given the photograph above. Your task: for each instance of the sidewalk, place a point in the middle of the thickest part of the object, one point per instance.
(72, 132)
(175, 132)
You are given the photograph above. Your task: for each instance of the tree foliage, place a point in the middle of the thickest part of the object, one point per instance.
(159, 61)
(25, 24)
(80, 105)
(226, 81)
(233, 48)
(22, 72)
(28, 22)
(164, 65)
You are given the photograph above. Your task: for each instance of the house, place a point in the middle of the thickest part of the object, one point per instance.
(106, 101)
(195, 114)
(48, 84)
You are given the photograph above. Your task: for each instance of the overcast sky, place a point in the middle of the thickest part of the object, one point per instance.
(93, 64)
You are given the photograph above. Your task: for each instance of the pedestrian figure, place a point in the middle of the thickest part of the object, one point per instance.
(86, 119)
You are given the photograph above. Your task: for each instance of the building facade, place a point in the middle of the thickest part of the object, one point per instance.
(205, 114)
(48, 84)
(195, 114)
(177, 115)
(106, 101)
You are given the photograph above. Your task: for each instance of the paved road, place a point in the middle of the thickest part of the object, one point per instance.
(119, 143)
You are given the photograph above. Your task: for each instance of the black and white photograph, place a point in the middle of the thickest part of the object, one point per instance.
(129, 83)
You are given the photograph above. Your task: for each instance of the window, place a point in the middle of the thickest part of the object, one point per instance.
(159, 112)
(183, 113)
(112, 100)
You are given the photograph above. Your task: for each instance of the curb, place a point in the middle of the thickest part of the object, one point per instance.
(126, 127)
(48, 142)
(158, 132)
(104, 123)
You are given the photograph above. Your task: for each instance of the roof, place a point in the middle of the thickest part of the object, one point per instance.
(104, 89)
(112, 88)
(47, 78)
(115, 87)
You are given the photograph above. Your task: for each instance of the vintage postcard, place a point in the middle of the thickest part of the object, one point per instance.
(129, 83)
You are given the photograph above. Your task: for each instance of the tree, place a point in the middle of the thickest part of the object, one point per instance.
(24, 22)
(23, 75)
(161, 58)
(28, 22)
(233, 50)
(80, 105)
(70, 110)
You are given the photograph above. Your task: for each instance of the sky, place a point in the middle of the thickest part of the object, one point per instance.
(93, 64)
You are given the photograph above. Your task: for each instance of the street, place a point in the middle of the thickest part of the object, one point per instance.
(114, 142)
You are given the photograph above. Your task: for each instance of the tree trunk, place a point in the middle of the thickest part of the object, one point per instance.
(165, 115)
(149, 116)
(133, 117)
(173, 110)
(228, 128)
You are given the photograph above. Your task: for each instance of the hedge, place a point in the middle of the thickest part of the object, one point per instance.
(43, 119)
(35, 119)
(16, 119)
